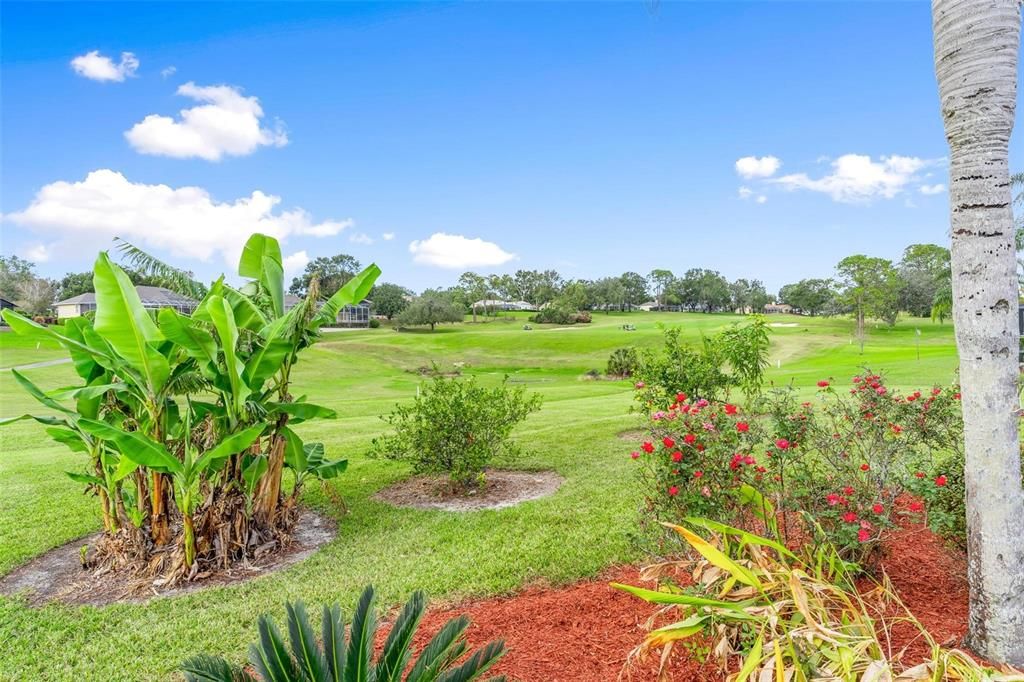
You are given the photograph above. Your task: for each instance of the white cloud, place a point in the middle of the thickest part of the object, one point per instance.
(747, 193)
(294, 264)
(857, 178)
(360, 238)
(455, 251)
(932, 189)
(757, 167)
(168, 71)
(388, 236)
(225, 124)
(94, 66)
(37, 253)
(186, 221)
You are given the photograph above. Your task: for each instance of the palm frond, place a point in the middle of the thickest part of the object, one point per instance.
(168, 276)
(304, 647)
(206, 668)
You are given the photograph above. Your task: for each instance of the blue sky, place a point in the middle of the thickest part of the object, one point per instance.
(436, 138)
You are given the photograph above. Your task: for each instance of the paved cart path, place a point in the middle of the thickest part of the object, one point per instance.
(34, 365)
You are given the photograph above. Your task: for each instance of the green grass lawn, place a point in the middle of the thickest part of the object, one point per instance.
(575, 533)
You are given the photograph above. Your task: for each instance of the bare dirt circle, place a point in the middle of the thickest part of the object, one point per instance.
(503, 489)
(58, 576)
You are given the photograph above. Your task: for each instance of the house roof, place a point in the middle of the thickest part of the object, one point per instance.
(11, 304)
(150, 296)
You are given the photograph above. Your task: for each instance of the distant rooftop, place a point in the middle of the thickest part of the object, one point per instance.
(152, 297)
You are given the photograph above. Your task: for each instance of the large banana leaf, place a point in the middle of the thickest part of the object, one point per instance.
(196, 341)
(233, 444)
(300, 412)
(134, 446)
(354, 291)
(38, 393)
(265, 361)
(126, 325)
(223, 318)
(261, 260)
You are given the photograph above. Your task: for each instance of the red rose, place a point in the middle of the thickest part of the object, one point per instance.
(878, 509)
(863, 535)
(648, 447)
(865, 467)
(822, 384)
(742, 427)
(850, 517)
(919, 474)
(690, 438)
(911, 398)
(668, 442)
(832, 499)
(677, 456)
(680, 397)
(634, 454)
(730, 409)
(698, 474)
(782, 444)
(940, 481)
(916, 506)
(848, 490)
(673, 491)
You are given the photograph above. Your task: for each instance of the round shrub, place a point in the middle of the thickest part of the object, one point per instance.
(623, 362)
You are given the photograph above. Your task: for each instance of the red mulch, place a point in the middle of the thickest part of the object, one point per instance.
(585, 631)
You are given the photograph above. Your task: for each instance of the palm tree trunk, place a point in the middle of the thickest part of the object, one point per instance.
(976, 53)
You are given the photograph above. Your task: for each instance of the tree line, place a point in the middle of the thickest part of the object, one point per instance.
(863, 286)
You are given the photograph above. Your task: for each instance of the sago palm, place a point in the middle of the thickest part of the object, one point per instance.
(341, 658)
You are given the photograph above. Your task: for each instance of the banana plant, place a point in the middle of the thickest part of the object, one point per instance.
(341, 658)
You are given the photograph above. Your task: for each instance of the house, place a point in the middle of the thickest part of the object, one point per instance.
(6, 305)
(778, 308)
(153, 298)
(355, 315)
(494, 304)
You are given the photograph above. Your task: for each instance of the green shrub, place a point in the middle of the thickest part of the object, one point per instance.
(456, 427)
(622, 362)
(337, 657)
(374, 323)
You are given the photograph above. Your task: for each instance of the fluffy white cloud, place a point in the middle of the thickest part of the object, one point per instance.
(360, 238)
(186, 221)
(455, 251)
(168, 71)
(933, 189)
(388, 236)
(858, 178)
(94, 66)
(226, 123)
(757, 167)
(761, 199)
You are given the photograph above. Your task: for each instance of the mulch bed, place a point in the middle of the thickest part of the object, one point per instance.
(584, 632)
(57, 575)
(503, 489)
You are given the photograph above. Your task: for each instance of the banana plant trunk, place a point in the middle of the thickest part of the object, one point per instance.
(976, 55)
(268, 493)
(159, 522)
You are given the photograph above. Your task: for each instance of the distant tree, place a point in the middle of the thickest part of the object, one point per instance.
(871, 288)
(634, 288)
(701, 289)
(14, 272)
(429, 310)
(812, 296)
(474, 287)
(549, 287)
(661, 281)
(750, 294)
(924, 269)
(609, 293)
(389, 299)
(36, 296)
(334, 272)
(577, 295)
(74, 284)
